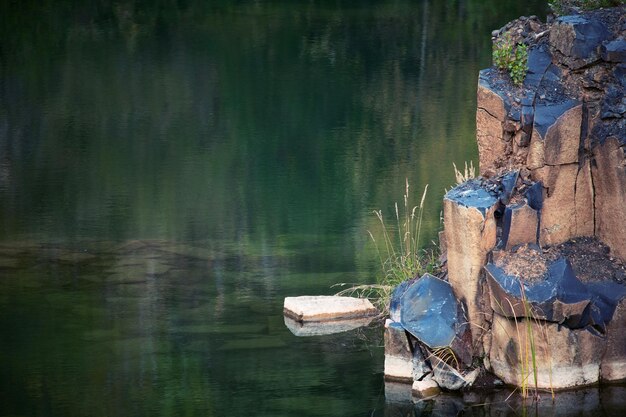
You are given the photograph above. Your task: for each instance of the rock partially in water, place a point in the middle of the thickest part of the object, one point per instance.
(398, 354)
(449, 377)
(398, 392)
(614, 360)
(471, 232)
(325, 307)
(425, 388)
(564, 357)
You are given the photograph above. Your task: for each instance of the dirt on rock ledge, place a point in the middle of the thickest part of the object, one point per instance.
(591, 261)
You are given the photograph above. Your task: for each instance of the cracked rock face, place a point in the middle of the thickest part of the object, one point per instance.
(566, 127)
(578, 38)
(469, 217)
(536, 246)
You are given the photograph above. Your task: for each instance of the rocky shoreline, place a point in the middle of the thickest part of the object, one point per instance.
(538, 241)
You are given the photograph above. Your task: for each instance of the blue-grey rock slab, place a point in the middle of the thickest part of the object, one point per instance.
(473, 194)
(539, 59)
(606, 295)
(578, 37)
(534, 196)
(557, 297)
(395, 304)
(547, 114)
(527, 115)
(508, 182)
(614, 51)
(614, 103)
(430, 312)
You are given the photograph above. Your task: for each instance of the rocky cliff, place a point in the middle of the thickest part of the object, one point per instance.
(536, 245)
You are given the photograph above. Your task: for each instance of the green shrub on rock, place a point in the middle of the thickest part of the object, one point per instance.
(510, 57)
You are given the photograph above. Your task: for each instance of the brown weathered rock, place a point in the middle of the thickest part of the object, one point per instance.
(490, 116)
(398, 355)
(609, 179)
(536, 153)
(564, 358)
(490, 101)
(443, 248)
(470, 235)
(568, 205)
(584, 197)
(521, 223)
(491, 145)
(613, 367)
(562, 139)
(558, 215)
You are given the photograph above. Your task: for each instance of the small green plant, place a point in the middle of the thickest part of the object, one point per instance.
(400, 255)
(512, 58)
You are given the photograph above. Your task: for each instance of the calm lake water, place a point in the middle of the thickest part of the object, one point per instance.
(170, 171)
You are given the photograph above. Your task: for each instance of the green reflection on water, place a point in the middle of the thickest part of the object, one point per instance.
(236, 150)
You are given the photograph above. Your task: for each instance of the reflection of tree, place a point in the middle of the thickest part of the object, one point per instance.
(188, 120)
(264, 126)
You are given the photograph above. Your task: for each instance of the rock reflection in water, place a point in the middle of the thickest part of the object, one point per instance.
(589, 401)
(320, 328)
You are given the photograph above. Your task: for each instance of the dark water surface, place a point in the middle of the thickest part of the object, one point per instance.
(171, 170)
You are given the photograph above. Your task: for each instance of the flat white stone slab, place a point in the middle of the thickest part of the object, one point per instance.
(327, 307)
